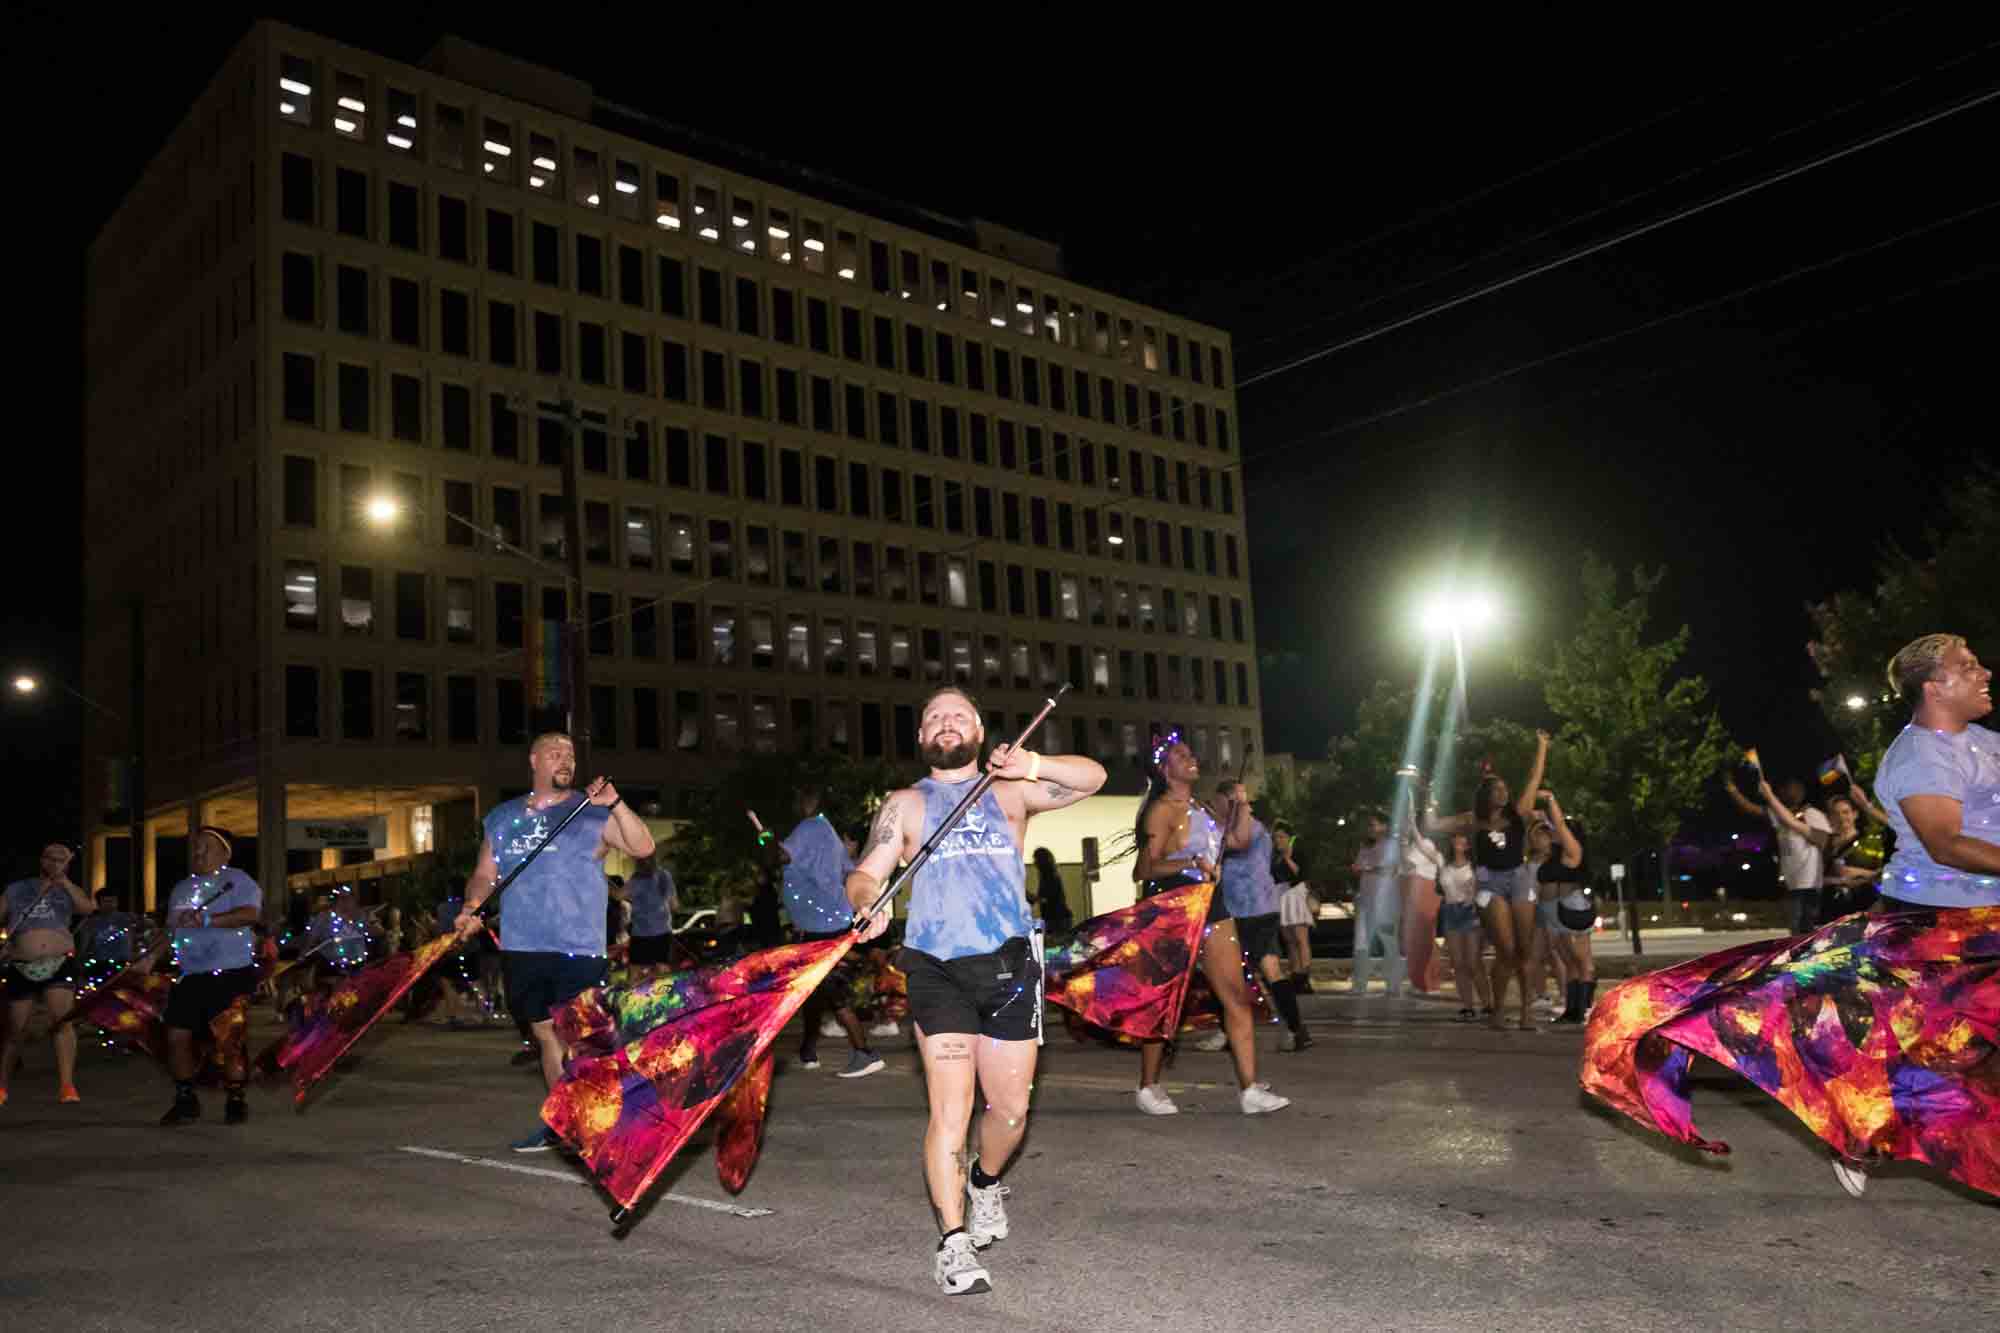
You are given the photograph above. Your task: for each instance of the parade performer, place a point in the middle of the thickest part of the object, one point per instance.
(816, 866)
(552, 942)
(209, 919)
(111, 938)
(974, 979)
(336, 941)
(1879, 1031)
(1179, 843)
(40, 964)
(650, 892)
(1251, 894)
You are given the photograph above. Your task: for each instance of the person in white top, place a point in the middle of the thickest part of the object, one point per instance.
(1464, 938)
(1801, 862)
(1421, 863)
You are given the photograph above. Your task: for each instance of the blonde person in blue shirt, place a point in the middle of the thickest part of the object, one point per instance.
(1939, 782)
(209, 920)
(816, 866)
(40, 963)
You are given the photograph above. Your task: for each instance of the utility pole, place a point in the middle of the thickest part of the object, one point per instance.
(135, 778)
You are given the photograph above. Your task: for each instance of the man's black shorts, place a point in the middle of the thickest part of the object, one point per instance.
(539, 983)
(196, 999)
(1259, 936)
(648, 950)
(990, 994)
(20, 986)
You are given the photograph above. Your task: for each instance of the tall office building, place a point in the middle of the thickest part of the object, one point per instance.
(833, 450)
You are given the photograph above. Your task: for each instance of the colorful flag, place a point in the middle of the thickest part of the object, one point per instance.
(548, 665)
(335, 1020)
(1128, 971)
(651, 1062)
(1879, 1032)
(129, 1007)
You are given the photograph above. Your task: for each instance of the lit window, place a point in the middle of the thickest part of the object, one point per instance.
(722, 635)
(968, 293)
(301, 595)
(899, 652)
(763, 723)
(1071, 599)
(864, 647)
(1046, 658)
(778, 234)
(1052, 324)
(496, 148)
(957, 581)
(989, 660)
(941, 284)
(814, 244)
(543, 172)
(1094, 600)
(833, 647)
(961, 658)
(743, 225)
(1151, 344)
(996, 310)
(1100, 670)
(587, 188)
(350, 106)
(1024, 312)
(913, 267)
(707, 213)
(846, 255)
(625, 201)
(1020, 660)
(399, 131)
(728, 725)
(758, 625)
(798, 643)
(1227, 753)
(357, 599)
(680, 543)
(667, 200)
(639, 538)
(1146, 621)
(296, 82)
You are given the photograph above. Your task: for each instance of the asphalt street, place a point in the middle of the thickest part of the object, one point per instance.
(1427, 1176)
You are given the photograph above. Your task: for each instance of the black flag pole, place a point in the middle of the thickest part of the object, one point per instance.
(486, 908)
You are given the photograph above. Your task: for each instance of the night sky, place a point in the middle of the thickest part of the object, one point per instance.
(1303, 188)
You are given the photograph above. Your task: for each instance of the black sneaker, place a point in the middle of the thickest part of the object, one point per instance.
(182, 1111)
(527, 1055)
(235, 1111)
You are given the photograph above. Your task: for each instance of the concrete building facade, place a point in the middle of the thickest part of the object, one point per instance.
(833, 451)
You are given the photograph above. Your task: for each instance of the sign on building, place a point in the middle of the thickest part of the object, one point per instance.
(306, 835)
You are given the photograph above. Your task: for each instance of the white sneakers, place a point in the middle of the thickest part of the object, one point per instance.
(1153, 1100)
(886, 1028)
(1853, 1176)
(986, 1218)
(828, 1028)
(1258, 1098)
(1217, 1040)
(958, 1270)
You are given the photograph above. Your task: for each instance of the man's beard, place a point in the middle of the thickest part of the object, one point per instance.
(956, 756)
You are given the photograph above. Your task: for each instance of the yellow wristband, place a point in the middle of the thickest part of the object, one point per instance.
(1034, 766)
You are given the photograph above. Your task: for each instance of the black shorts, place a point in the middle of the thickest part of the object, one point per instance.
(1259, 936)
(19, 986)
(195, 1000)
(646, 950)
(539, 983)
(987, 994)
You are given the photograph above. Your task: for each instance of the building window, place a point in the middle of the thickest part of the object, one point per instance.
(829, 565)
(353, 393)
(460, 598)
(833, 647)
(645, 718)
(865, 640)
(301, 492)
(406, 408)
(357, 704)
(727, 721)
(357, 599)
(687, 721)
(302, 702)
(298, 189)
(413, 707)
(899, 652)
(301, 595)
(461, 706)
(298, 288)
(412, 620)
(301, 389)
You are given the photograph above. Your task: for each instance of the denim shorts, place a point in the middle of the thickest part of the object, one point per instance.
(1457, 918)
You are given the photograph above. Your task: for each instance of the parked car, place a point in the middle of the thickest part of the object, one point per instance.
(1332, 934)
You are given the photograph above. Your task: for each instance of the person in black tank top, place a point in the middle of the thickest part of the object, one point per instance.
(1562, 876)
(1497, 825)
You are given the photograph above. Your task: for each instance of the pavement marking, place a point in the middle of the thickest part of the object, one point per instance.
(713, 1205)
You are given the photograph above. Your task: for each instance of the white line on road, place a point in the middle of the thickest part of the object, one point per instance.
(713, 1205)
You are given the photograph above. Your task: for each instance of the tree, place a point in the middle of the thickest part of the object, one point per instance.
(1637, 742)
(1949, 591)
(717, 848)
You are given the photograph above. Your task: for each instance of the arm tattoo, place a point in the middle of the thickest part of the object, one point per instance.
(888, 826)
(1055, 791)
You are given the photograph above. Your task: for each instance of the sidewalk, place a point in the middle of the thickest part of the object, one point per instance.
(1611, 953)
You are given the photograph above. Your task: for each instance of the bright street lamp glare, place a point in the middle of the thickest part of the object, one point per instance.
(1434, 617)
(1478, 611)
(1856, 702)
(382, 509)
(26, 684)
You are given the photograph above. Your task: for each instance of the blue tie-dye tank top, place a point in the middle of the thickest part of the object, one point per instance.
(971, 897)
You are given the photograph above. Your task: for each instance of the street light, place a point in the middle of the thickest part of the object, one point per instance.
(1856, 703)
(26, 684)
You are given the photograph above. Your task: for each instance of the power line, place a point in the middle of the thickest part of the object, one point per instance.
(1630, 233)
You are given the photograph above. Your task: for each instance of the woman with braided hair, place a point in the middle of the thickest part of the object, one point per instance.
(1179, 841)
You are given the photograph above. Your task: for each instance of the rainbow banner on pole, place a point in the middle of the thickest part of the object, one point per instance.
(548, 664)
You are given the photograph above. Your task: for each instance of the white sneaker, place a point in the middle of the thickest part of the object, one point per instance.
(885, 1029)
(1257, 1099)
(1153, 1100)
(829, 1028)
(1853, 1176)
(1543, 1005)
(958, 1270)
(986, 1220)
(1217, 1040)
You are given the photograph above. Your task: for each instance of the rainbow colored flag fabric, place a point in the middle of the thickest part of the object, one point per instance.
(334, 1021)
(652, 1062)
(1879, 1032)
(1128, 971)
(130, 1006)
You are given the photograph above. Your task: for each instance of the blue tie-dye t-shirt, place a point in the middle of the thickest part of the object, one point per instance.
(652, 899)
(971, 897)
(816, 877)
(1247, 886)
(558, 904)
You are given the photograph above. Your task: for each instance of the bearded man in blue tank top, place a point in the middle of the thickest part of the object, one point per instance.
(552, 936)
(974, 986)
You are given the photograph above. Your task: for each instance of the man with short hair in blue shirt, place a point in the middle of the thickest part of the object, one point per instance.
(1939, 781)
(816, 867)
(209, 915)
(552, 944)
